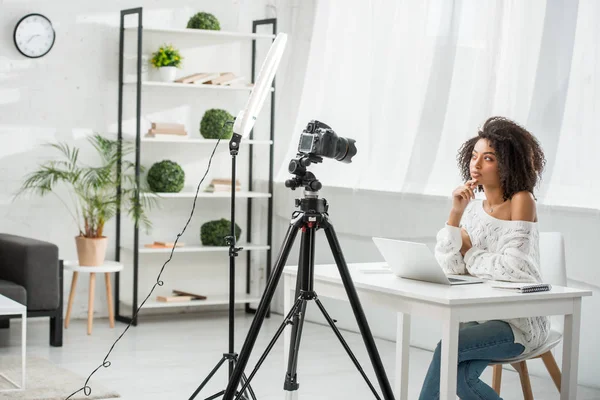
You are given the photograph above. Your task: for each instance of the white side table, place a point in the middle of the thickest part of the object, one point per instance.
(11, 307)
(107, 268)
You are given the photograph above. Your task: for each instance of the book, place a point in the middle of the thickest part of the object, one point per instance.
(172, 299)
(163, 245)
(200, 77)
(173, 132)
(166, 137)
(221, 79)
(194, 295)
(237, 79)
(180, 296)
(168, 126)
(224, 181)
(221, 188)
(521, 287)
(222, 185)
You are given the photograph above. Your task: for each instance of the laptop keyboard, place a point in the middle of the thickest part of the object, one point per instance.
(455, 280)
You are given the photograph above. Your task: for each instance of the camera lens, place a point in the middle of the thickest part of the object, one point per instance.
(345, 149)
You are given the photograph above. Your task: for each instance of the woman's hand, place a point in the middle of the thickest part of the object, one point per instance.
(466, 241)
(462, 195)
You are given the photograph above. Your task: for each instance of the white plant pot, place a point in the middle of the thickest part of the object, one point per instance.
(167, 74)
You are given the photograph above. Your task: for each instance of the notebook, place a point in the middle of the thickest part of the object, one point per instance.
(521, 287)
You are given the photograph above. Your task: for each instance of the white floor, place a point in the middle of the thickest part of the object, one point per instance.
(168, 357)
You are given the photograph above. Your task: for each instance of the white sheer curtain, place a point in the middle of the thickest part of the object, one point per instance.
(412, 80)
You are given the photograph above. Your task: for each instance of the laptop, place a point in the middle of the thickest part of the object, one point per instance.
(415, 261)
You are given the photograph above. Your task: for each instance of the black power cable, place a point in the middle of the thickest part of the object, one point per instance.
(87, 390)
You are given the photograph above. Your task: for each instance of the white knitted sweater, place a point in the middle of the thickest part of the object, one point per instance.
(502, 250)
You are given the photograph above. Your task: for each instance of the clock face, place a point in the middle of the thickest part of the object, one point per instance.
(34, 35)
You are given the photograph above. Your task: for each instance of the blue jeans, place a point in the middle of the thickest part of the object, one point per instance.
(478, 344)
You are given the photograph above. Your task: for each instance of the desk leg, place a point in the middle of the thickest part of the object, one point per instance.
(449, 365)
(402, 356)
(289, 291)
(570, 358)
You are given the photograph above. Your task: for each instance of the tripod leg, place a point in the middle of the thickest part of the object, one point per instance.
(359, 314)
(287, 320)
(250, 391)
(208, 378)
(263, 307)
(346, 347)
(303, 285)
(291, 382)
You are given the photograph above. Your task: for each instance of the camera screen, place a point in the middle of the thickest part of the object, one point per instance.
(306, 143)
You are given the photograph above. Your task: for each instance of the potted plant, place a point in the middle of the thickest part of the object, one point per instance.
(212, 233)
(214, 124)
(166, 59)
(92, 191)
(166, 176)
(204, 20)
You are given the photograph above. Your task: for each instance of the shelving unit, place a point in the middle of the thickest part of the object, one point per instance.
(187, 39)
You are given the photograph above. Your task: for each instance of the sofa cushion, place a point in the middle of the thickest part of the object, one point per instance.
(13, 291)
(34, 265)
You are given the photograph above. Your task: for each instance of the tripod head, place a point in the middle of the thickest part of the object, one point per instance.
(302, 177)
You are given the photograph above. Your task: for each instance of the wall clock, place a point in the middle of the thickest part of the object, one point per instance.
(34, 35)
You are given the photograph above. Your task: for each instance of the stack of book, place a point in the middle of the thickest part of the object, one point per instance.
(211, 78)
(180, 296)
(167, 130)
(163, 245)
(222, 185)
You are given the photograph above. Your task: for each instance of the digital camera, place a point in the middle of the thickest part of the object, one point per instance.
(318, 139)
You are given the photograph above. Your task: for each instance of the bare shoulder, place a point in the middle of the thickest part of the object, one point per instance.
(522, 207)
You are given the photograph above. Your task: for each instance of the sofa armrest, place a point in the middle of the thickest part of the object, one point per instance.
(34, 265)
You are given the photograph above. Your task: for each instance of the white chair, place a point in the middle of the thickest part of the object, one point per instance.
(552, 263)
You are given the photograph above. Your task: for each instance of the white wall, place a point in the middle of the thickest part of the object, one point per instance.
(73, 91)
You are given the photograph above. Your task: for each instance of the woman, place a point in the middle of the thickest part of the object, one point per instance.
(493, 239)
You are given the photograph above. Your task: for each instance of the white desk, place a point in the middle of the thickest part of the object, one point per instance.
(450, 305)
(11, 307)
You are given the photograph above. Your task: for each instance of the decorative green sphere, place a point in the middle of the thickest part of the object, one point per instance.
(212, 233)
(214, 124)
(166, 177)
(203, 20)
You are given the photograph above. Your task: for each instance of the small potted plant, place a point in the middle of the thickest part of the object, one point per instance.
(166, 176)
(166, 59)
(92, 192)
(212, 233)
(214, 124)
(204, 20)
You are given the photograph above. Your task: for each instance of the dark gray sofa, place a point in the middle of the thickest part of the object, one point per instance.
(32, 274)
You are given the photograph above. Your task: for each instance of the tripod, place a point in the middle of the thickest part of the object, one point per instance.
(231, 357)
(312, 216)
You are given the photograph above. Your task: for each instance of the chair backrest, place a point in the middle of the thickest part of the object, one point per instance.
(553, 267)
(552, 258)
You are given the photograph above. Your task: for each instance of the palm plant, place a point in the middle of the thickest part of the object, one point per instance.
(93, 190)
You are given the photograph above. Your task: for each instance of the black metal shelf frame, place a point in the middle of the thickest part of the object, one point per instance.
(255, 24)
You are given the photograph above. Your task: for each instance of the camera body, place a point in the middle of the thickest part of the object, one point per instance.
(318, 139)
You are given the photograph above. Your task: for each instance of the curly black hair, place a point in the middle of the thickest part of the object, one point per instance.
(519, 154)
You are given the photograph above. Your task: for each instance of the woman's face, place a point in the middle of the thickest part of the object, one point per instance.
(484, 164)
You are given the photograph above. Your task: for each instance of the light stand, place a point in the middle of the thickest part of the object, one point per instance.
(231, 357)
(241, 128)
